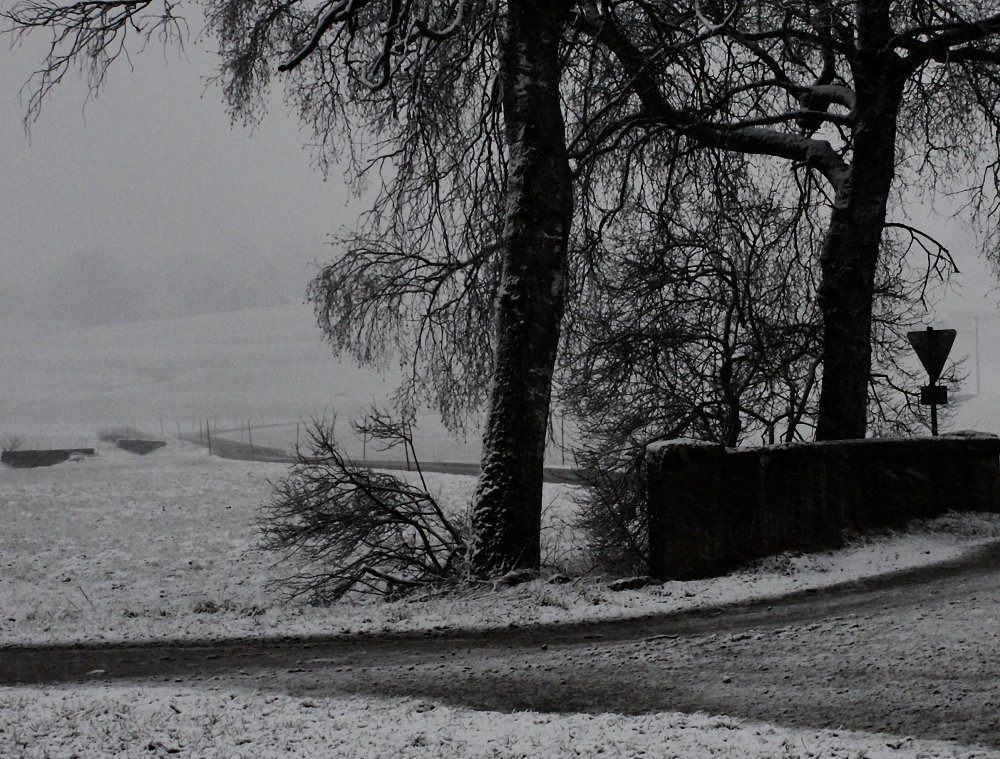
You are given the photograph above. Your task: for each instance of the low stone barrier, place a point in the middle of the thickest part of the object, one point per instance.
(28, 459)
(141, 447)
(712, 509)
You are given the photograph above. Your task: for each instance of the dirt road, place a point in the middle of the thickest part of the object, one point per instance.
(232, 449)
(912, 653)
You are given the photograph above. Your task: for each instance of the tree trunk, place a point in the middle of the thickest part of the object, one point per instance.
(849, 261)
(529, 309)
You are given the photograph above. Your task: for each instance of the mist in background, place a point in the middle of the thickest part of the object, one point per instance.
(146, 202)
(97, 287)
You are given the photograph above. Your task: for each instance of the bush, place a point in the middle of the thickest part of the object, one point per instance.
(613, 515)
(11, 443)
(611, 508)
(350, 529)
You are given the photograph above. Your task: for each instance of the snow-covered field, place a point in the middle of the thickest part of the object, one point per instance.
(119, 547)
(161, 721)
(268, 367)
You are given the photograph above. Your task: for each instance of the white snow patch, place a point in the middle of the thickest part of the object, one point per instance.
(91, 721)
(120, 547)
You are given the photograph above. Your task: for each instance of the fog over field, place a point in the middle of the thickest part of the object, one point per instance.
(271, 368)
(267, 366)
(146, 202)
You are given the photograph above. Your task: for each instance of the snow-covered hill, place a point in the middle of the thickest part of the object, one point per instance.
(268, 366)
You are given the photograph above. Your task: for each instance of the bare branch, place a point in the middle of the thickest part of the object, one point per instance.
(335, 12)
(90, 34)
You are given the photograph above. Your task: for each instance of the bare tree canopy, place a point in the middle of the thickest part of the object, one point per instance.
(493, 132)
(453, 108)
(871, 96)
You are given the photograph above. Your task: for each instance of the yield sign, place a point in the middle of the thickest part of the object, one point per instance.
(932, 347)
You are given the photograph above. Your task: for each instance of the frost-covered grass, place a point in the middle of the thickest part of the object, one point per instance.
(120, 547)
(155, 721)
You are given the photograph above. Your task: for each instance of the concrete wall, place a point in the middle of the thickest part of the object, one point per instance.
(30, 459)
(712, 509)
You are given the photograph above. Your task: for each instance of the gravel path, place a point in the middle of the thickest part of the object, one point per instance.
(912, 653)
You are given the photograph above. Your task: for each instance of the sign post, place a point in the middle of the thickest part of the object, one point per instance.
(932, 347)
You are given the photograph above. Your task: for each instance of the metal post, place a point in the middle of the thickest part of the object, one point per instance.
(250, 438)
(406, 447)
(977, 353)
(562, 436)
(208, 433)
(934, 430)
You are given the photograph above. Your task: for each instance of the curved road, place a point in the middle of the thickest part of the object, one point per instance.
(232, 449)
(911, 653)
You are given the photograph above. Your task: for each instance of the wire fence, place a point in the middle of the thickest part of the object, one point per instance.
(278, 440)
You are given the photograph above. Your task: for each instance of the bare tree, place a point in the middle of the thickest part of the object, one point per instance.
(698, 321)
(459, 112)
(347, 529)
(696, 318)
(11, 443)
(869, 98)
(697, 324)
(423, 97)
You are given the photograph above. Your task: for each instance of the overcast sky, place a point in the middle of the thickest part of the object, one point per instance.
(146, 201)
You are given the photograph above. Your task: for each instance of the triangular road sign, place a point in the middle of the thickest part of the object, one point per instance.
(932, 347)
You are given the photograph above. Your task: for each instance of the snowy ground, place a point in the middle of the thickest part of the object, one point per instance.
(125, 548)
(121, 547)
(268, 367)
(98, 721)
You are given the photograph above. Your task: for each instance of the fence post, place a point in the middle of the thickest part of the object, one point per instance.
(250, 438)
(562, 435)
(409, 434)
(208, 432)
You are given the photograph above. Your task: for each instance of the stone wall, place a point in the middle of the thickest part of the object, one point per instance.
(31, 459)
(712, 509)
(141, 447)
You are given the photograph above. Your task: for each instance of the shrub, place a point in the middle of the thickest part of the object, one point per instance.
(613, 516)
(612, 511)
(354, 530)
(11, 443)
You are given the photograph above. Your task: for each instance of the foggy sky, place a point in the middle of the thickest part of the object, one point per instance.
(146, 202)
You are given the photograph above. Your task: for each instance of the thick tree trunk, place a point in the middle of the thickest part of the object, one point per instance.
(507, 505)
(849, 261)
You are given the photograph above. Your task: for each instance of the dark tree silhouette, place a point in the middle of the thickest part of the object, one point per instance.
(423, 97)
(698, 320)
(458, 112)
(870, 97)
